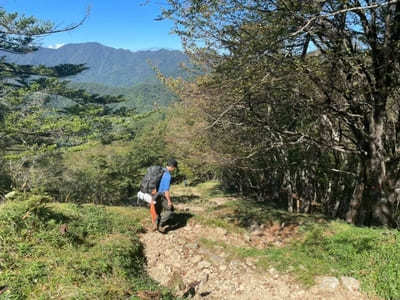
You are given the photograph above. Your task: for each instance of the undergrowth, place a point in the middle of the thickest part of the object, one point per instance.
(320, 247)
(68, 251)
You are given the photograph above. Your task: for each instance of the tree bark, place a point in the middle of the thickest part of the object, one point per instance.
(375, 208)
(355, 203)
(287, 187)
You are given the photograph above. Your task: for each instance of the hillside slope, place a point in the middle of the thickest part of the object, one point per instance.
(68, 251)
(226, 247)
(107, 65)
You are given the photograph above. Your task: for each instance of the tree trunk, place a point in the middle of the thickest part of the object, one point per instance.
(287, 187)
(355, 203)
(378, 208)
(370, 205)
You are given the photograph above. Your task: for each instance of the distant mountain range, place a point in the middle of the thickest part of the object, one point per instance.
(113, 71)
(107, 66)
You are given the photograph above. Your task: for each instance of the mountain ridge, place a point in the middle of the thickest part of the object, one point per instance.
(107, 65)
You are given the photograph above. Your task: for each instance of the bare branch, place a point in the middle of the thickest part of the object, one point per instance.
(71, 27)
(222, 114)
(372, 6)
(344, 172)
(68, 28)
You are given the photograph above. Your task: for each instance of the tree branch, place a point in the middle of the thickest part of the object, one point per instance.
(68, 28)
(372, 6)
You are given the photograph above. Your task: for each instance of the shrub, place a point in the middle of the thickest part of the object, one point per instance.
(98, 255)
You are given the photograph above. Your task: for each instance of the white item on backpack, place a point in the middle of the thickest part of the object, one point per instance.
(145, 197)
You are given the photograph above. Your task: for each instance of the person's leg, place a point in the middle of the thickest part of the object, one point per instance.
(154, 216)
(158, 208)
(166, 212)
(146, 197)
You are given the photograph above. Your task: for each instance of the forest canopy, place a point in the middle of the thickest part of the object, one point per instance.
(302, 101)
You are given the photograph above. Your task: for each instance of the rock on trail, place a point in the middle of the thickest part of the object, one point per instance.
(178, 260)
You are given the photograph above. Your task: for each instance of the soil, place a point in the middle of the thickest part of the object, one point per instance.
(182, 261)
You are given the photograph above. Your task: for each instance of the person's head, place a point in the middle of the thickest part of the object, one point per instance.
(172, 164)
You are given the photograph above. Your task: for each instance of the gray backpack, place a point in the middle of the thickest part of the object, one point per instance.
(152, 179)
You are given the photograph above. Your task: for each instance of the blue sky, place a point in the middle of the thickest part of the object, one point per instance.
(127, 24)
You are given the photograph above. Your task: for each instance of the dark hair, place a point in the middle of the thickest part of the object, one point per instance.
(172, 163)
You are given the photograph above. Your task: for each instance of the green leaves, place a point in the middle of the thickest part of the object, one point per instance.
(297, 96)
(98, 256)
(17, 32)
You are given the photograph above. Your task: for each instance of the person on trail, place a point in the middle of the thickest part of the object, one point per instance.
(163, 198)
(154, 190)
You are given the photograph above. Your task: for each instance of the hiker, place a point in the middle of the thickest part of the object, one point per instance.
(164, 203)
(154, 190)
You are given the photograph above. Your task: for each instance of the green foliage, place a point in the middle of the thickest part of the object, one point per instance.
(107, 181)
(5, 179)
(28, 120)
(285, 123)
(142, 96)
(103, 172)
(99, 255)
(49, 249)
(370, 255)
(18, 31)
(308, 246)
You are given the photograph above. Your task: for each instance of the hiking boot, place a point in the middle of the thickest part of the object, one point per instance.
(164, 229)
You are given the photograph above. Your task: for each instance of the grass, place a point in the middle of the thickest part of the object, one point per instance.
(99, 257)
(211, 221)
(201, 192)
(320, 247)
(371, 255)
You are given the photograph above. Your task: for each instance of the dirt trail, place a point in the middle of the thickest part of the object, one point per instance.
(182, 261)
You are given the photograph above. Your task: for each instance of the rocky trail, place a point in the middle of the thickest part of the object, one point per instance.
(194, 260)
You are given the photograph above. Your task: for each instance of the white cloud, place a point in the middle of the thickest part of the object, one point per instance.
(56, 46)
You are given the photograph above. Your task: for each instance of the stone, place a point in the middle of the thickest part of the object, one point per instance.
(204, 264)
(177, 263)
(350, 283)
(257, 233)
(206, 251)
(221, 231)
(254, 226)
(217, 260)
(300, 294)
(196, 259)
(247, 237)
(10, 195)
(204, 277)
(222, 268)
(193, 246)
(272, 271)
(250, 262)
(235, 264)
(328, 284)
